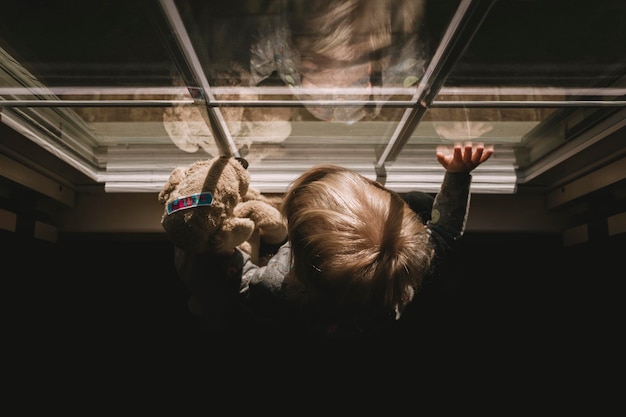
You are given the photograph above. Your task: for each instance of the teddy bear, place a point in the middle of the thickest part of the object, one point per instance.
(209, 209)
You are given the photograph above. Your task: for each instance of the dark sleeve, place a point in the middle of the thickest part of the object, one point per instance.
(449, 215)
(266, 288)
(452, 204)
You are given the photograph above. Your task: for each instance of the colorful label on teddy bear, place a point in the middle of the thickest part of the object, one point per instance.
(194, 200)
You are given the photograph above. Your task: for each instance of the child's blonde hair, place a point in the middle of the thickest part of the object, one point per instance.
(356, 245)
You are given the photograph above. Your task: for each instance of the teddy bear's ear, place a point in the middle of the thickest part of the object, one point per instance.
(240, 166)
(175, 178)
(243, 162)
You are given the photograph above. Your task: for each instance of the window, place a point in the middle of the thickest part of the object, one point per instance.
(124, 91)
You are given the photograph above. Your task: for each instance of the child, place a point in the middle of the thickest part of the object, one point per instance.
(356, 254)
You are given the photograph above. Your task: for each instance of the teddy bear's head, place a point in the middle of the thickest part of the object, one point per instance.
(199, 205)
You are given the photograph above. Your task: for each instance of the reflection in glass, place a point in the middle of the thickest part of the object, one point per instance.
(341, 51)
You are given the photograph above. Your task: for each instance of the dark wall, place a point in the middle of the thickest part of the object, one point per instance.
(107, 304)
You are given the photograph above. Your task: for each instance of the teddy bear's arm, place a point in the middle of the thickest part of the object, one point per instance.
(267, 219)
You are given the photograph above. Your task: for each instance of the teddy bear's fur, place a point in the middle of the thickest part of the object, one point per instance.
(235, 213)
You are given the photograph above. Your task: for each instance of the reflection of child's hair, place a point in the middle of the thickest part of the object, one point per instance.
(356, 245)
(350, 30)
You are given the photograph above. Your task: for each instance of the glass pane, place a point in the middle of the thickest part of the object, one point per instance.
(556, 43)
(535, 75)
(88, 43)
(318, 53)
(127, 90)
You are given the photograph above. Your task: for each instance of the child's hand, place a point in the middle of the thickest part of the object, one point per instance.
(464, 158)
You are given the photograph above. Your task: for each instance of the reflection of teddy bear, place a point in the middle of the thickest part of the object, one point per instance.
(209, 210)
(261, 128)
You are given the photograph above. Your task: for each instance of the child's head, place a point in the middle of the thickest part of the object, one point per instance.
(357, 247)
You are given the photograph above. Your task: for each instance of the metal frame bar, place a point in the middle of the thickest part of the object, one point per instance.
(218, 126)
(464, 24)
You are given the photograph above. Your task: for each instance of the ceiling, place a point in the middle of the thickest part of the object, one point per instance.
(117, 93)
